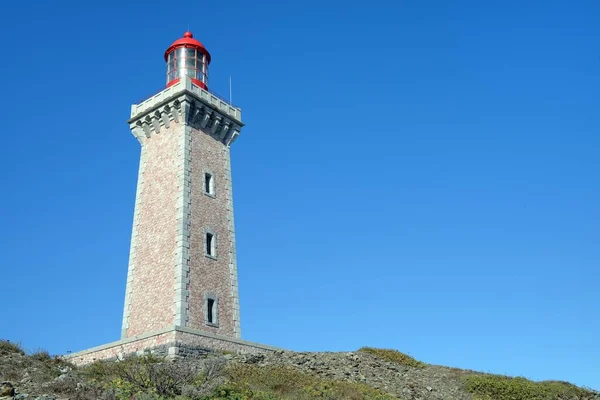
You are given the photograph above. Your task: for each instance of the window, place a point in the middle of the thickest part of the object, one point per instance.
(212, 309)
(210, 244)
(208, 184)
(183, 62)
(210, 304)
(190, 53)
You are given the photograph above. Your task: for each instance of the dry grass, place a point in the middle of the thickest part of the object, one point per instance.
(285, 383)
(6, 346)
(498, 387)
(393, 356)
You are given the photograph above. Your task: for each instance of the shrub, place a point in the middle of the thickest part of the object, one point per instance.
(498, 387)
(64, 384)
(149, 376)
(279, 382)
(7, 346)
(41, 355)
(393, 356)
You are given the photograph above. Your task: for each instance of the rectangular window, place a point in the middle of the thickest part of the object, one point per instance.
(210, 244)
(191, 53)
(208, 183)
(210, 312)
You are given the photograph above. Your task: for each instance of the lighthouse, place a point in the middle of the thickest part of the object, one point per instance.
(187, 57)
(181, 294)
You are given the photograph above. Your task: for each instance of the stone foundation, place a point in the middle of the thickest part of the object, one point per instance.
(172, 342)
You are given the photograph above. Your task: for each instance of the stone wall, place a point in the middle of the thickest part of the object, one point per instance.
(177, 342)
(211, 275)
(170, 276)
(151, 283)
(124, 348)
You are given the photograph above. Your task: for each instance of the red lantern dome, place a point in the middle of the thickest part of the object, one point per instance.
(187, 57)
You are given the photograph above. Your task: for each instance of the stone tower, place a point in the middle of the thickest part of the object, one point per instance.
(182, 289)
(182, 265)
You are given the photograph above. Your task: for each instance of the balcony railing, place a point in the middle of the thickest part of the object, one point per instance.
(208, 96)
(217, 95)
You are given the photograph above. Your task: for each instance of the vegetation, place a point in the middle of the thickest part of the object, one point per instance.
(498, 387)
(282, 376)
(6, 346)
(41, 355)
(393, 356)
(150, 375)
(280, 382)
(148, 378)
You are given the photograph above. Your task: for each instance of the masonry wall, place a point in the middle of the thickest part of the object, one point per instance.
(151, 282)
(211, 276)
(119, 350)
(175, 342)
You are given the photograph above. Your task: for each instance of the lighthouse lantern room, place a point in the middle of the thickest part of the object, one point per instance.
(187, 57)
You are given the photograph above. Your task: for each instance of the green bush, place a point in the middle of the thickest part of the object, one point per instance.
(498, 387)
(250, 382)
(11, 347)
(393, 356)
(150, 377)
(228, 392)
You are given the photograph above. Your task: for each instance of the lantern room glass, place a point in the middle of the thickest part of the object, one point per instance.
(187, 61)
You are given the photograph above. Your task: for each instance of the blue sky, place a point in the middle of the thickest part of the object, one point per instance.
(418, 175)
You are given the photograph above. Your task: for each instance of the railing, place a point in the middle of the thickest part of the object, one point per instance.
(217, 95)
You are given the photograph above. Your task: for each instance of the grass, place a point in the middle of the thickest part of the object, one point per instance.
(252, 382)
(11, 347)
(393, 356)
(41, 355)
(498, 387)
(151, 378)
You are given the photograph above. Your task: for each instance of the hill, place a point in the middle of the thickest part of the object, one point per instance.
(366, 374)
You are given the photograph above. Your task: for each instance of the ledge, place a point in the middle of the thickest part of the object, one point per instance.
(191, 105)
(174, 329)
(120, 342)
(225, 338)
(185, 86)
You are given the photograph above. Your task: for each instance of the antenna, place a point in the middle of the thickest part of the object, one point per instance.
(230, 92)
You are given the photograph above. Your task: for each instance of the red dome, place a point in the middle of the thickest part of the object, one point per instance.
(188, 41)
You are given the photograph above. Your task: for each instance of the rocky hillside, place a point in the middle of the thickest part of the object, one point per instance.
(366, 374)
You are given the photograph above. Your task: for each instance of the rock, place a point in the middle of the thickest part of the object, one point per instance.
(64, 370)
(61, 378)
(6, 389)
(255, 358)
(45, 397)
(429, 388)
(21, 396)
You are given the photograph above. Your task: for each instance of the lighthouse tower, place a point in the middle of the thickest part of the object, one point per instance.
(182, 288)
(182, 264)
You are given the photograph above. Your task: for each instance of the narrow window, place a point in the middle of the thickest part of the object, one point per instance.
(210, 305)
(208, 183)
(210, 244)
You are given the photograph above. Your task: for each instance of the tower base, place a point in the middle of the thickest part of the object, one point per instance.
(170, 342)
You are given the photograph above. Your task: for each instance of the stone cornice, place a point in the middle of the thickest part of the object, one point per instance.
(186, 103)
